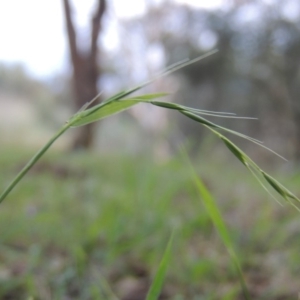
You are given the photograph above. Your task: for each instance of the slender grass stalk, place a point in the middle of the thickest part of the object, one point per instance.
(88, 115)
(33, 160)
(120, 102)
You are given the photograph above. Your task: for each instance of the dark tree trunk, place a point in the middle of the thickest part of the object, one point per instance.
(86, 70)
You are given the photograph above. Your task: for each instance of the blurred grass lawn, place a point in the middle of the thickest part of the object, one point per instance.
(80, 226)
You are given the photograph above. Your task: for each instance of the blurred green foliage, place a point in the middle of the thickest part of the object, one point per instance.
(82, 225)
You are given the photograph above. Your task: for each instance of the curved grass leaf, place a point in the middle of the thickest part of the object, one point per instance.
(117, 103)
(77, 119)
(110, 108)
(217, 219)
(106, 111)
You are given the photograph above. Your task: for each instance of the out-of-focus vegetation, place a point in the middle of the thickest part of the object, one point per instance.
(79, 223)
(255, 73)
(30, 105)
(95, 226)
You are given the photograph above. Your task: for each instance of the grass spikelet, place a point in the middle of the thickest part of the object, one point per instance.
(234, 150)
(119, 102)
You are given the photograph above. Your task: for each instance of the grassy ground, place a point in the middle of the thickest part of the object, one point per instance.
(95, 227)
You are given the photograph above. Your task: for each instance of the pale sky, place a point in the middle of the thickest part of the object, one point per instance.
(32, 32)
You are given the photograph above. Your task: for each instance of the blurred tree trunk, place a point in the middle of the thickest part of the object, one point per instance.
(86, 70)
(297, 121)
(296, 114)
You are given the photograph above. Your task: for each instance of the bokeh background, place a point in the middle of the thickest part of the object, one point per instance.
(93, 217)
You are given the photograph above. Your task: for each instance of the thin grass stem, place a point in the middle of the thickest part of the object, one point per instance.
(33, 160)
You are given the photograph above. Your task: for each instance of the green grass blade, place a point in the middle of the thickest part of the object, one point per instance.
(82, 117)
(106, 111)
(123, 94)
(159, 278)
(109, 108)
(216, 217)
(149, 97)
(30, 164)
